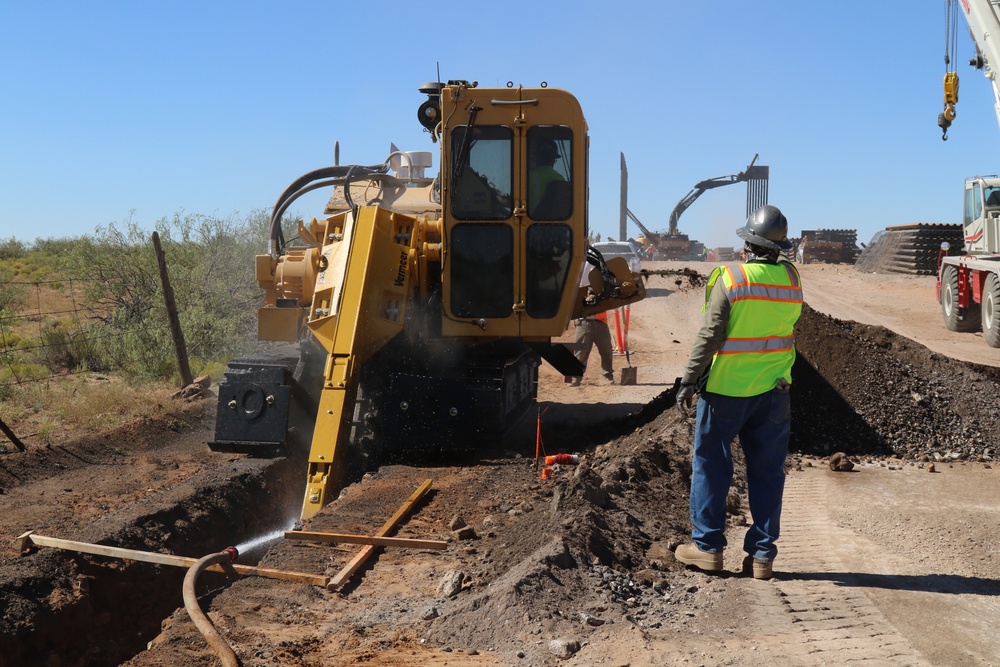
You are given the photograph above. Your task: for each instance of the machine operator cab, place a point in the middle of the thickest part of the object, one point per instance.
(981, 220)
(514, 207)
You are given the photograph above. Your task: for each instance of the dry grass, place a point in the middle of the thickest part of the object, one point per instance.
(56, 411)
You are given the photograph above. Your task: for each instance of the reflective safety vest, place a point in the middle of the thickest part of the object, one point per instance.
(766, 301)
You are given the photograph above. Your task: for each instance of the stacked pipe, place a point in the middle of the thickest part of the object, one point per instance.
(911, 249)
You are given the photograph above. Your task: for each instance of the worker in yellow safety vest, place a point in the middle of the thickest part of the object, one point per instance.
(740, 369)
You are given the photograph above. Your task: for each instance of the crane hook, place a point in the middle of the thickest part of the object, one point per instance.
(944, 122)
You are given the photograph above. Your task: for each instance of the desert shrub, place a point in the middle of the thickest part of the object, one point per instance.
(54, 350)
(9, 340)
(46, 431)
(54, 247)
(12, 294)
(211, 268)
(12, 249)
(17, 371)
(64, 346)
(214, 369)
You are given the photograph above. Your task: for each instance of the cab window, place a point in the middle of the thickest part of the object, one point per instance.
(550, 172)
(549, 247)
(973, 203)
(482, 270)
(482, 172)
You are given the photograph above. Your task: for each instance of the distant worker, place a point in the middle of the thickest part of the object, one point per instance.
(590, 331)
(543, 174)
(651, 252)
(740, 369)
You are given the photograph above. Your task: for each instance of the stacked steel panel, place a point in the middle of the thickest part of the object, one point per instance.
(912, 248)
(726, 254)
(829, 246)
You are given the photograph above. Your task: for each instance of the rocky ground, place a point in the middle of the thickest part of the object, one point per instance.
(890, 563)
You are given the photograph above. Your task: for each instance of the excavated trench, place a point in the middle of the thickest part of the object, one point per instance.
(858, 389)
(76, 610)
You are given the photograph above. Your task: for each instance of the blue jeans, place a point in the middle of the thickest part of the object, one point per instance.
(763, 423)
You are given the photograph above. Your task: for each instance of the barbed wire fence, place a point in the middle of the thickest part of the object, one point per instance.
(20, 341)
(20, 349)
(61, 341)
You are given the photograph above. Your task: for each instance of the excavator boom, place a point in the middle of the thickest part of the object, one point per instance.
(757, 176)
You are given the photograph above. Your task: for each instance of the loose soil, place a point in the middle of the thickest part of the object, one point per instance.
(893, 562)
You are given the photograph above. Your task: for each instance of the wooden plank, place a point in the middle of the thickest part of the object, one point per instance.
(363, 555)
(29, 538)
(346, 538)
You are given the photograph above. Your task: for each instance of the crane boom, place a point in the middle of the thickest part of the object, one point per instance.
(983, 17)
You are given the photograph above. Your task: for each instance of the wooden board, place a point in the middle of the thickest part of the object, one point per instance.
(389, 525)
(374, 540)
(29, 539)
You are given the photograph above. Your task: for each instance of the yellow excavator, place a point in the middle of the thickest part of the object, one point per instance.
(420, 307)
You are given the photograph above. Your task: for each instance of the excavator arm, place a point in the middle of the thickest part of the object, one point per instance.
(749, 173)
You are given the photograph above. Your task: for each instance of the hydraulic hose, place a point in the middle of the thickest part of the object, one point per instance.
(335, 175)
(201, 621)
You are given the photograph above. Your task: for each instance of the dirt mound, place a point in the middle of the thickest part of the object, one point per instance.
(862, 389)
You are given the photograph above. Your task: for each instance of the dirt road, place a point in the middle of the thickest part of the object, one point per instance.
(888, 564)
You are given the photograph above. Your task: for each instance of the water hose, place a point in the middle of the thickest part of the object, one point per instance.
(201, 621)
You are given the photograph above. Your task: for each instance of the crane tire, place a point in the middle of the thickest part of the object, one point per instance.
(990, 308)
(955, 317)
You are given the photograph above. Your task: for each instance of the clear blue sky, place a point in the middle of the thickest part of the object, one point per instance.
(215, 107)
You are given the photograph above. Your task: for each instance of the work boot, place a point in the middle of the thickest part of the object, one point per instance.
(761, 569)
(575, 382)
(690, 554)
(610, 379)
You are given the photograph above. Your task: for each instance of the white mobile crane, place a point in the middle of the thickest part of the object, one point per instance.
(968, 285)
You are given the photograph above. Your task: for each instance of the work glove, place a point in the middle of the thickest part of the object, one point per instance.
(685, 399)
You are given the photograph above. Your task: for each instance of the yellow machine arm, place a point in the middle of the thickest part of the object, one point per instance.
(360, 303)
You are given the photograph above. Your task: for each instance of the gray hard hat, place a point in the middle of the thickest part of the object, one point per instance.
(766, 227)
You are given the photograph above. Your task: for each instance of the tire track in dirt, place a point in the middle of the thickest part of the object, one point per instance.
(813, 614)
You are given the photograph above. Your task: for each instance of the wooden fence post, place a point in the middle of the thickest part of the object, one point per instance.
(10, 436)
(175, 323)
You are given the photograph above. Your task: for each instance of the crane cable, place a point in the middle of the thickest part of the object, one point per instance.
(950, 75)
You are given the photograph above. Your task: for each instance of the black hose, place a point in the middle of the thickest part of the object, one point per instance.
(201, 621)
(337, 175)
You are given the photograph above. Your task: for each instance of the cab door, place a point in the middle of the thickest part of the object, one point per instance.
(513, 199)
(553, 229)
